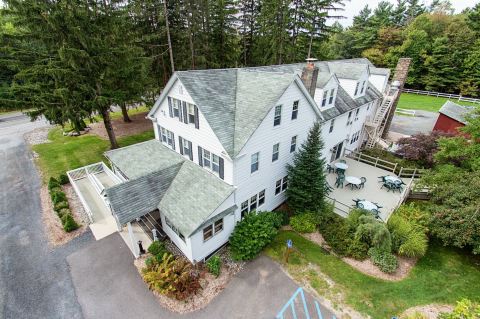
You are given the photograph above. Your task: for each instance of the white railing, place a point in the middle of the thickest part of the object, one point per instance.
(70, 175)
(446, 95)
(339, 207)
(405, 111)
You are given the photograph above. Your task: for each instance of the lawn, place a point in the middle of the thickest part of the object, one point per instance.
(65, 152)
(412, 101)
(443, 276)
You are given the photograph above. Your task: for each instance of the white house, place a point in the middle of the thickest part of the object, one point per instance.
(223, 139)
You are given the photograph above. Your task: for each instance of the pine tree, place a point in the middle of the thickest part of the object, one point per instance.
(306, 177)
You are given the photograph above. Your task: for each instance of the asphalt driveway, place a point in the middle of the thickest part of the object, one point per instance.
(34, 280)
(109, 286)
(422, 122)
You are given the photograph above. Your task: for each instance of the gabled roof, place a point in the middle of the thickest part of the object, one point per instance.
(139, 196)
(192, 197)
(185, 192)
(142, 158)
(455, 111)
(234, 101)
(352, 71)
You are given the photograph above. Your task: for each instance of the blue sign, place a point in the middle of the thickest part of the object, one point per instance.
(289, 243)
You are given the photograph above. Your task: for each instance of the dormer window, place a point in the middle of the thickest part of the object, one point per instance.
(356, 88)
(363, 87)
(324, 100)
(278, 115)
(332, 93)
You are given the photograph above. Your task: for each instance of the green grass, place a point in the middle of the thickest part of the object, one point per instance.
(65, 152)
(412, 101)
(443, 276)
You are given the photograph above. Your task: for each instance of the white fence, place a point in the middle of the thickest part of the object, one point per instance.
(446, 95)
(405, 111)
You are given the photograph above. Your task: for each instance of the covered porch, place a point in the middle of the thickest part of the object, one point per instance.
(344, 197)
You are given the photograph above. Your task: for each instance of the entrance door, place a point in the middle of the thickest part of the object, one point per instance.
(337, 152)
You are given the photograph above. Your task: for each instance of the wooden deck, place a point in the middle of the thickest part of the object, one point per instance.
(343, 197)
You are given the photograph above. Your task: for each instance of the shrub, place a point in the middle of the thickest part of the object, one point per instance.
(63, 179)
(465, 309)
(374, 233)
(383, 259)
(417, 216)
(157, 248)
(251, 235)
(64, 211)
(55, 189)
(407, 240)
(52, 182)
(172, 277)
(336, 232)
(69, 224)
(304, 223)
(214, 265)
(358, 250)
(58, 197)
(272, 217)
(285, 216)
(61, 205)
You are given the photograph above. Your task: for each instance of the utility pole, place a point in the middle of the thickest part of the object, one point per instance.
(170, 51)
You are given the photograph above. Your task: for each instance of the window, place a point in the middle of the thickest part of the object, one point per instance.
(253, 202)
(332, 93)
(356, 114)
(293, 144)
(355, 137)
(254, 162)
(212, 229)
(191, 113)
(363, 87)
(281, 185)
(175, 230)
(275, 152)
(177, 104)
(368, 106)
(332, 122)
(356, 88)
(211, 161)
(295, 110)
(278, 115)
(261, 198)
(167, 137)
(324, 99)
(180, 90)
(185, 147)
(349, 118)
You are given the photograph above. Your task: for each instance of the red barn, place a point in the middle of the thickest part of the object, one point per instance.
(451, 117)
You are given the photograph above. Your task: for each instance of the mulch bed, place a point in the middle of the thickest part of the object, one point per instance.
(138, 125)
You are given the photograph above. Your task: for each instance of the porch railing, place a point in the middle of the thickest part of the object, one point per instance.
(339, 207)
(395, 168)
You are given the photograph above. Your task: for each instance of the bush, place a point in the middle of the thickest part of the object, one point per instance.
(52, 183)
(251, 235)
(214, 265)
(272, 217)
(285, 217)
(304, 223)
(465, 309)
(64, 211)
(58, 197)
(358, 250)
(407, 240)
(374, 233)
(417, 216)
(61, 205)
(173, 277)
(336, 232)
(69, 224)
(157, 248)
(55, 190)
(63, 179)
(383, 259)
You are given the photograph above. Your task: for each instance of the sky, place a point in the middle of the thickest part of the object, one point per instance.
(353, 7)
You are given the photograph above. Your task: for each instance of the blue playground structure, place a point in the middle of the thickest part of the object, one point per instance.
(297, 308)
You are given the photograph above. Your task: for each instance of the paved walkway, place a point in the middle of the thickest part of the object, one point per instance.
(108, 286)
(422, 122)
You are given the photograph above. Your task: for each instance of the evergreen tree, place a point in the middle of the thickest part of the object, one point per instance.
(441, 76)
(306, 177)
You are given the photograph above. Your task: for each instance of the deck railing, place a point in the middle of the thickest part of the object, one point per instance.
(395, 168)
(340, 208)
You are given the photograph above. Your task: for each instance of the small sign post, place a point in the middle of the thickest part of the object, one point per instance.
(289, 249)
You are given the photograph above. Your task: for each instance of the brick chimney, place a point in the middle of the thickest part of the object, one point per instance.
(309, 76)
(400, 76)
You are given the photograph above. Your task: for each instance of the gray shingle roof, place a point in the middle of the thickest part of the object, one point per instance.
(185, 192)
(143, 158)
(348, 70)
(225, 98)
(455, 111)
(140, 196)
(192, 197)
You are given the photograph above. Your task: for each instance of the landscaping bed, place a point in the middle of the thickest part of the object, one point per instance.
(138, 125)
(209, 284)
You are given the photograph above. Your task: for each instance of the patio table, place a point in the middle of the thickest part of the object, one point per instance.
(352, 180)
(368, 205)
(393, 179)
(342, 166)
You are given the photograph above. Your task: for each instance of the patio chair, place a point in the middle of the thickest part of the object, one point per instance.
(356, 201)
(378, 206)
(362, 184)
(342, 161)
(389, 186)
(340, 180)
(382, 179)
(330, 169)
(328, 188)
(376, 213)
(340, 171)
